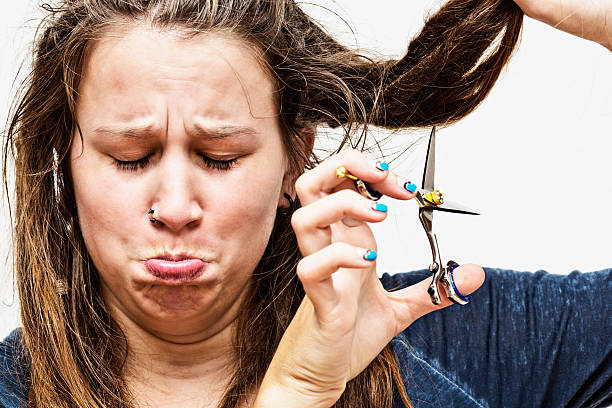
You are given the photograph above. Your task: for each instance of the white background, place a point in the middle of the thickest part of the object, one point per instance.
(533, 158)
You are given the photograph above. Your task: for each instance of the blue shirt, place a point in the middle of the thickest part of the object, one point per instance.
(525, 340)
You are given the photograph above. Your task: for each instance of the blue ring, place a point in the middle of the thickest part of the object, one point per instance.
(451, 268)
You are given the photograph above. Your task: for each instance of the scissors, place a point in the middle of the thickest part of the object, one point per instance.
(429, 200)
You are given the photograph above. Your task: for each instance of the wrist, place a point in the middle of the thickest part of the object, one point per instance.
(281, 397)
(287, 392)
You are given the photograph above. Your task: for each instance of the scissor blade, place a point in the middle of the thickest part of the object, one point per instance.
(426, 217)
(450, 206)
(430, 162)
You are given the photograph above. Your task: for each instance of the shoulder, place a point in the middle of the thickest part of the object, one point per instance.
(503, 278)
(426, 383)
(13, 371)
(507, 293)
(435, 354)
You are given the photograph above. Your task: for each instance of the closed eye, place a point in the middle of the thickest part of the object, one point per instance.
(135, 165)
(222, 165)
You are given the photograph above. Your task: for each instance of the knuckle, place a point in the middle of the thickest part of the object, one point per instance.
(302, 182)
(300, 269)
(298, 222)
(303, 270)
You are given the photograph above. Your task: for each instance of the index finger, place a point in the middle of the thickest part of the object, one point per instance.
(323, 179)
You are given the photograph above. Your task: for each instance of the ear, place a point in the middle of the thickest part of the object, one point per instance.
(308, 134)
(306, 139)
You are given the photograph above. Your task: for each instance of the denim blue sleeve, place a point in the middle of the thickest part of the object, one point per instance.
(13, 374)
(525, 340)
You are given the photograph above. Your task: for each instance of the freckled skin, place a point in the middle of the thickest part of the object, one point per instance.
(147, 76)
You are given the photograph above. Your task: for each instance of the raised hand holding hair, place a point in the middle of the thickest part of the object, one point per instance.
(589, 19)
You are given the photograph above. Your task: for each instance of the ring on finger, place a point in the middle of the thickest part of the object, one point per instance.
(451, 289)
(362, 187)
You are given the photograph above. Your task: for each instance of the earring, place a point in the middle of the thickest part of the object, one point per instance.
(286, 212)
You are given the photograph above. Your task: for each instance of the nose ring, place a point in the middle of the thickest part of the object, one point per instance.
(152, 216)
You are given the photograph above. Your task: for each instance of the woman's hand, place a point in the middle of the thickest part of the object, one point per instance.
(589, 19)
(347, 317)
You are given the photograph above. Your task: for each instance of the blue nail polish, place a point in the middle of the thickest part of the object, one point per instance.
(369, 255)
(379, 207)
(382, 166)
(410, 187)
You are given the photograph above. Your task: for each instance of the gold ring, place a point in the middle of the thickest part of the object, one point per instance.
(342, 171)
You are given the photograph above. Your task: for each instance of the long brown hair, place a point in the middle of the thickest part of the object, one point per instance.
(76, 350)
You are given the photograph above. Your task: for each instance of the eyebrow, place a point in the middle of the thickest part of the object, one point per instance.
(208, 133)
(223, 132)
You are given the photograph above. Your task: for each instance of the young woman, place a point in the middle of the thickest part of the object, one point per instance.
(178, 244)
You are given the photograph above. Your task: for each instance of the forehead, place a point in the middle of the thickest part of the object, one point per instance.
(131, 73)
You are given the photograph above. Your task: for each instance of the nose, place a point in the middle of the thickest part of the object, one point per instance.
(176, 201)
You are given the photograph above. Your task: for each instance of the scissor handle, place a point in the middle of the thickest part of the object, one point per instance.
(449, 285)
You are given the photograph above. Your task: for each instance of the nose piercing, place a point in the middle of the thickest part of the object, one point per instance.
(152, 216)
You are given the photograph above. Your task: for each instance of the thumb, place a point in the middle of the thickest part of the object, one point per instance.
(414, 302)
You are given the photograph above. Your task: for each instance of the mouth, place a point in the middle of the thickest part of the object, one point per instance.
(175, 258)
(176, 268)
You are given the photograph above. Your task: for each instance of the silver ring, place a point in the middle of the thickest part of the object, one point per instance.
(451, 289)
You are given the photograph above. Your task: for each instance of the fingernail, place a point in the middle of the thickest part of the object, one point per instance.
(378, 206)
(410, 186)
(382, 166)
(369, 255)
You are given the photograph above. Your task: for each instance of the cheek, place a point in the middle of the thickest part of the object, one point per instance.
(247, 212)
(107, 210)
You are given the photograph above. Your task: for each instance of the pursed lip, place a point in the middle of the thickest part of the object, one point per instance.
(174, 257)
(176, 268)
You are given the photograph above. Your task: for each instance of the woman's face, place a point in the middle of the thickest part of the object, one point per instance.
(149, 94)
